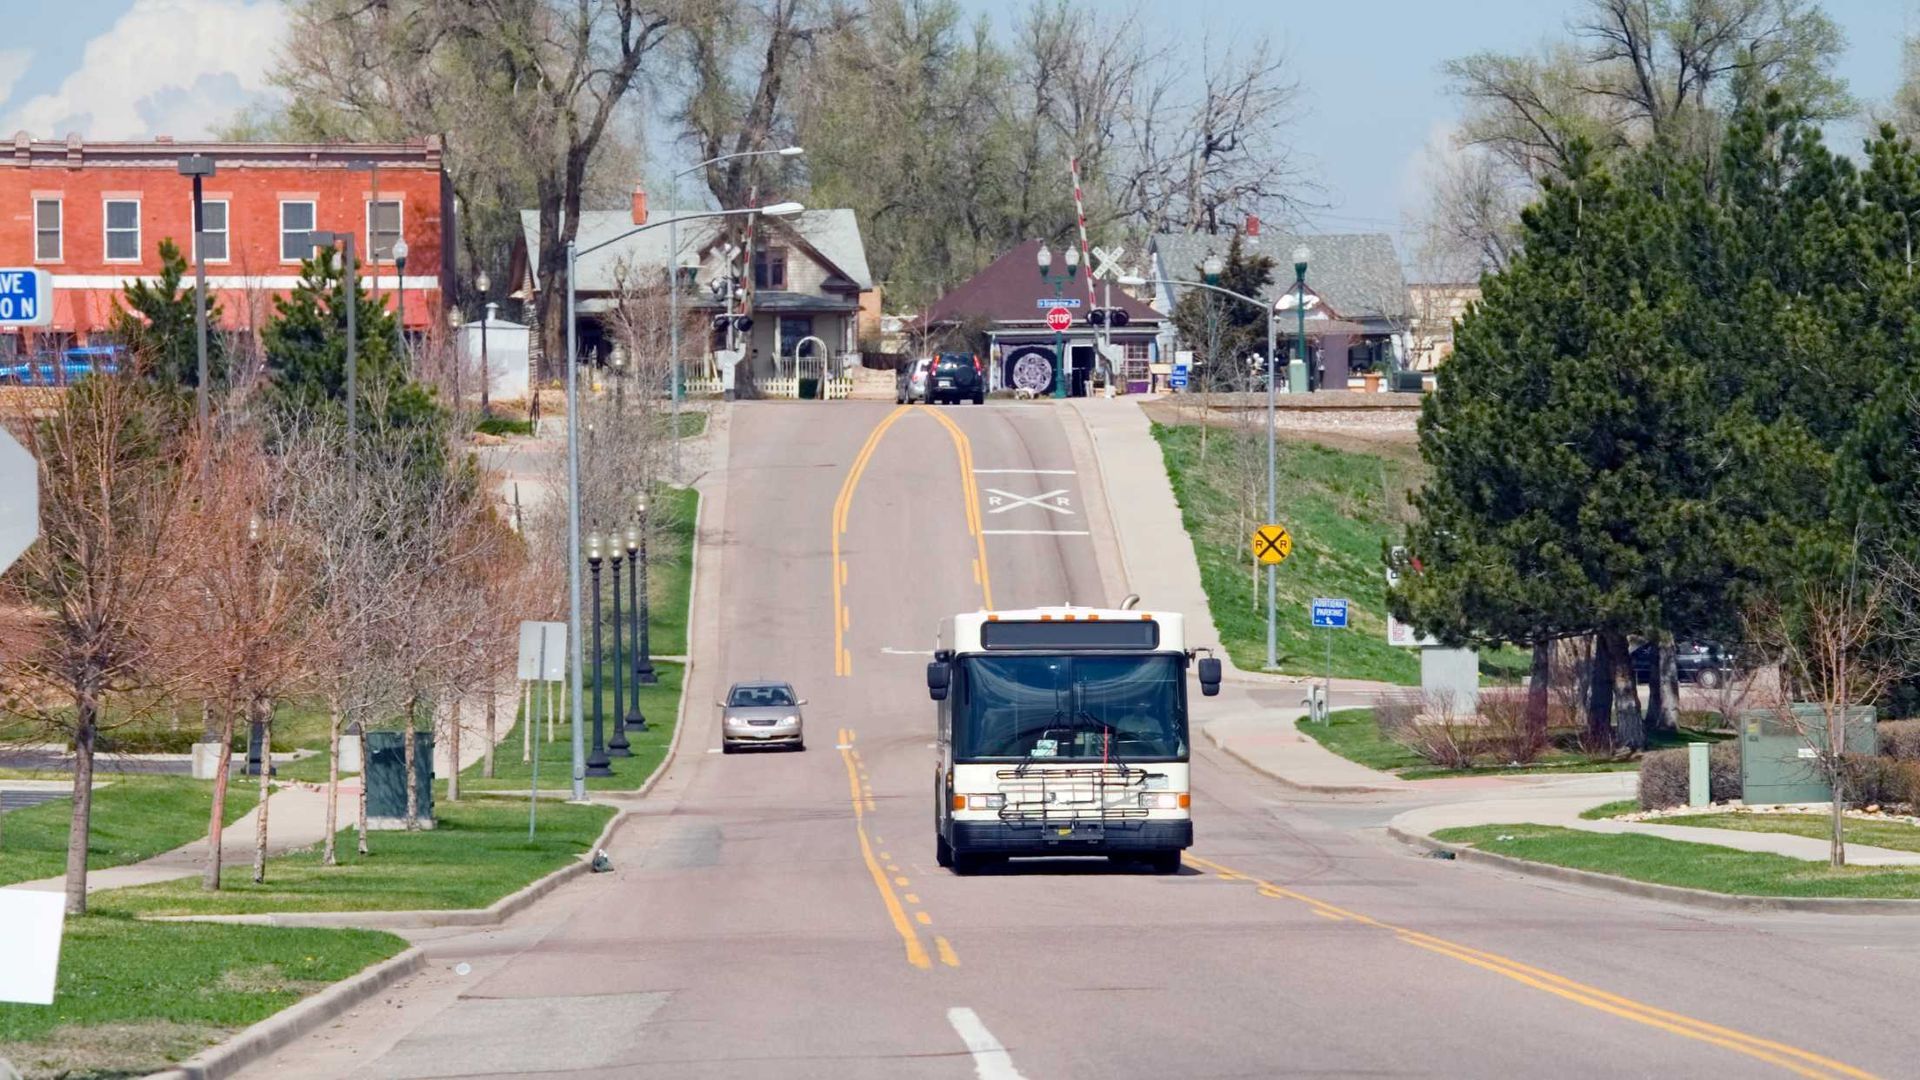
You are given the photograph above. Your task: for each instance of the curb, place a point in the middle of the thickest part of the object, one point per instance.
(1673, 894)
(294, 1021)
(1296, 785)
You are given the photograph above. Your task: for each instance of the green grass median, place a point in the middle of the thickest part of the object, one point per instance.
(1686, 864)
(134, 818)
(135, 997)
(1353, 734)
(1894, 835)
(477, 853)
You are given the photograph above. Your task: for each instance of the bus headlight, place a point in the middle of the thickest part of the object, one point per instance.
(1164, 800)
(986, 802)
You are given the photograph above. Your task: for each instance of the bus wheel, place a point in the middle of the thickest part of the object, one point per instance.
(1165, 862)
(942, 851)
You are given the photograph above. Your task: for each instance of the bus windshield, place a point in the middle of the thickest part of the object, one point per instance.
(1103, 708)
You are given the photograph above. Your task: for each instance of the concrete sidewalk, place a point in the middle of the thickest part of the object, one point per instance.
(1564, 810)
(1265, 739)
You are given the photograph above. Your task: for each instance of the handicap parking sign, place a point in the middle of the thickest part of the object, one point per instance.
(1330, 613)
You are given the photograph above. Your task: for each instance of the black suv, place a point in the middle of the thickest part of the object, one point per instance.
(1702, 663)
(955, 377)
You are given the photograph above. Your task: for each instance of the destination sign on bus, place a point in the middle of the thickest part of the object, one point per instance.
(1077, 634)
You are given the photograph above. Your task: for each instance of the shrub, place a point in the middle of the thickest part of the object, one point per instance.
(1663, 776)
(1395, 712)
(1873, 779)
(1443, 740)
(1505, 736)
(1900, 740)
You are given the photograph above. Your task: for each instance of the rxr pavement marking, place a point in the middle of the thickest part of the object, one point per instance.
(1061, 503)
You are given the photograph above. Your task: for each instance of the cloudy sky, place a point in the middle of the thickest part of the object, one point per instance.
(1375, 104)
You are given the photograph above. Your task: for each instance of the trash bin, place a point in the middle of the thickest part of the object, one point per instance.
(386, 764)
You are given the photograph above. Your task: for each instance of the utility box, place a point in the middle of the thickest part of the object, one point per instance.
(386, 792)
(1779, 758)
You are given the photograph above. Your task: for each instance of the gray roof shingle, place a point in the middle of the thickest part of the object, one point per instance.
(1357, 274)
(834, 233)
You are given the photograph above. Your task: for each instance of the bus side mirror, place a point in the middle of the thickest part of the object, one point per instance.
(1209, 677)
(939, 677)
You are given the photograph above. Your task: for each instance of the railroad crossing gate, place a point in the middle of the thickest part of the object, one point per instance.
(1272, 544)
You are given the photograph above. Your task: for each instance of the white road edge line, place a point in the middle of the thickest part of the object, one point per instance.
(1025, 472)
(1034, 532)
(990, 1060)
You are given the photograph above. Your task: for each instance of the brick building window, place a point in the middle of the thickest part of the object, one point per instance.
(296, 223)
(46, 230)
(770, 268)
(383, 228)
(213, 227)
(123, 230)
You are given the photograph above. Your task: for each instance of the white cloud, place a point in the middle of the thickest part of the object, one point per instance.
(13, 64)
(166, 67)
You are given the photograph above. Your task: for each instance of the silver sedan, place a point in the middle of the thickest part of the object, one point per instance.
(762, 714)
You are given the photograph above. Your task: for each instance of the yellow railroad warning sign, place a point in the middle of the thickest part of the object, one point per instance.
(1272, 543)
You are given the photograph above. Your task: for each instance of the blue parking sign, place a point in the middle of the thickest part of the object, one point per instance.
(26, 297)
(1178, 379)
(1330, 613)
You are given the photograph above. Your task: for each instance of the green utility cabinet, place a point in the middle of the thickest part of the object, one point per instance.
(1778, 757)
(386, 793)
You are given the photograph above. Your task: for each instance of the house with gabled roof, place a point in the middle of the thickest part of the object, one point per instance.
(1356, 299)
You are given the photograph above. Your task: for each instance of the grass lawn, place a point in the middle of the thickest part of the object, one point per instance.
(134, 818)
(135, 997)
(478, 853)
(1340, 508)
(693, 423)
(658, 703)
(1895, 835)
(1610, 810)
(1690, 865)
(1353, 735)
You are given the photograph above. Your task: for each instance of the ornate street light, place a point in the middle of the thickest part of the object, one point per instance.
(636, 720)
(643, 673)
(597, 763)
(617, 745)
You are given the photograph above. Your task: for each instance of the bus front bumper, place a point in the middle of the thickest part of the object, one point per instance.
(1081, 836)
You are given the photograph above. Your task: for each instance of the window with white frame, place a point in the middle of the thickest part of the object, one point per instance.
(123, 230)
(213, 228)
(46, 230)
(1139, 353)
(383, 228)
(296, 228)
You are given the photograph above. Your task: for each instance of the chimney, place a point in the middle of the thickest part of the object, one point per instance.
(639, 205)
(163, 139)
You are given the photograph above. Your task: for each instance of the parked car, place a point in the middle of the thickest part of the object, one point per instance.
(910, 382)
(1703, 663)
(762, 714)
(956, 378)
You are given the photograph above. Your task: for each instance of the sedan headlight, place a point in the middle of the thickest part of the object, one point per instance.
(1164, 800)
(789, 720)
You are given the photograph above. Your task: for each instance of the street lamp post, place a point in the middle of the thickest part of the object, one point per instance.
(643, 673)
(673, 279)
(1300, 256)
(1059, 282)
(400, 291)
(617, 744)
(597, 763)
(480, 284)
(345, 239)
(636, 720)
(580, 763)
(199, 166)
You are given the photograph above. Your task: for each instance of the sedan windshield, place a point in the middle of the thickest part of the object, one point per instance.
(750, 697)
(1103, 708)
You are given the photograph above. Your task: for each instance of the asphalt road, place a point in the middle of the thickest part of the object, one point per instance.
(780, 915)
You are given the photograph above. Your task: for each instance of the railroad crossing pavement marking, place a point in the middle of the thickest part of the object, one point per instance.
(1003, 501)
(1792, 1059)
(990, 1059)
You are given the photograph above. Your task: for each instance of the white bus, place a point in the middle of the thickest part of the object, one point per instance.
(1063, 731)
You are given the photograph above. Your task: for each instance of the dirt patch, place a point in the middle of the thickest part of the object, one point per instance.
(104, 1051)
(264, 979)
(1386, 435)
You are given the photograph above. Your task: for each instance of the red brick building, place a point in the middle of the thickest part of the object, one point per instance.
(94, 214)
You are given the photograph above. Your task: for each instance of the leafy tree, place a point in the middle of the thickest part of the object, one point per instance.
(155, 320)
(1233, 328)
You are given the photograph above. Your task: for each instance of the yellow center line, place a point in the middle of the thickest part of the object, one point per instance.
(842, 658)
(911, 898)
(963, 447)
(1790, 1058)
(923, 918)
(947, 955)
(916, 951)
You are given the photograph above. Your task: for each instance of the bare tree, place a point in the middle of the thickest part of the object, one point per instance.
(87, 596)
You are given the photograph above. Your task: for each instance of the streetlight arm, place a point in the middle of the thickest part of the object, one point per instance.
(1212, 288)
(781, 207)
(784, 151)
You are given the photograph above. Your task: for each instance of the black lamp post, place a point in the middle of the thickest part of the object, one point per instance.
(597, 763)
(643, 674)
(617, 745)
(400, 292)
(481, 284)
(636, 720)
(199, 167)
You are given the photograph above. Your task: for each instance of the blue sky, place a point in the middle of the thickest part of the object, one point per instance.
(1374, 101)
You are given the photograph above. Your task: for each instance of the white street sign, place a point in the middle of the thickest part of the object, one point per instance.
(19, 500)
(543, 651)
(30, 925)
(26, 297)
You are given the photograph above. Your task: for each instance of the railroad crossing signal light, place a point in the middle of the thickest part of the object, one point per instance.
(1114, 317)
(739, 323)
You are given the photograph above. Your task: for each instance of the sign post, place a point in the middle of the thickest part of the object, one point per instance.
(1329, 614)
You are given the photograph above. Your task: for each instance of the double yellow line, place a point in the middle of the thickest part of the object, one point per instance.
(1794, 1060)
(963, 450)
(879, 866)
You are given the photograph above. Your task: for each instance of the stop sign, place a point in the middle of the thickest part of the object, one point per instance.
(1059, 319)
